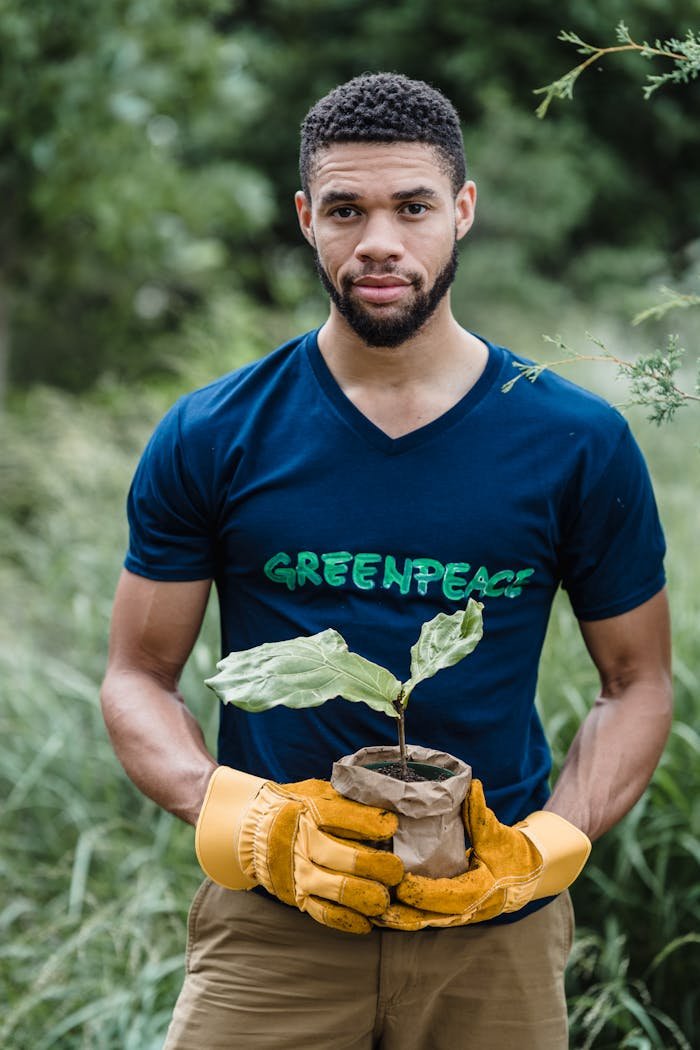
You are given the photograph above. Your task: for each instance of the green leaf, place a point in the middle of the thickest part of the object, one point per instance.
(622, 34)
(303, 672)
(443, 641)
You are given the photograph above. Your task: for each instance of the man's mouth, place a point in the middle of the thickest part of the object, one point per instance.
(385, 288)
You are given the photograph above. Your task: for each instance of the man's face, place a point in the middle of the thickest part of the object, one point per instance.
(384, 222)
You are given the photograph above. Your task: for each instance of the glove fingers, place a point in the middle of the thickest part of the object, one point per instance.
(356, 859)
(379, 864)
(463, 893)
(508, 853)
(311, 789)
(349, 819)
(478, 818)
(336, 916)
(403, 917)
(340, 815)
(362, 895)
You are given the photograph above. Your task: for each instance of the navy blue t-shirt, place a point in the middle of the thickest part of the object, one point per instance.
(308, 516)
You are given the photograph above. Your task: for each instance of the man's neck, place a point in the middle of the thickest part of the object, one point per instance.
(405, 387)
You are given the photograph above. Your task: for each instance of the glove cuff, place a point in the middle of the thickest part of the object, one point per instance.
(563, 847)
(229, 794)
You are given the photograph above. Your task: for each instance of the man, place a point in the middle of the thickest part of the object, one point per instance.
(365, 477)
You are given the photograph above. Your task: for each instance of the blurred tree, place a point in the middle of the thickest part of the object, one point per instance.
(652, 377)
(144, 148)
(125, 198)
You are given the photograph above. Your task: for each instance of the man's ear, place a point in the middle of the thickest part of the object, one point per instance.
(465, 204)
(303, 207)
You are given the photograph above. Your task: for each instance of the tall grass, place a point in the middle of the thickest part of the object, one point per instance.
(97, 879)
(93, 875)
(633, 975)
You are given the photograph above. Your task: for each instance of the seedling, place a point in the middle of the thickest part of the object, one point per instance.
(305, 672)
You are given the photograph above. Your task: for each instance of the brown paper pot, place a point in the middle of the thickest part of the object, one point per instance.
(430, 837)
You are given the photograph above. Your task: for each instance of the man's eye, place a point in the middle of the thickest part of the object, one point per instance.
(344, 212)
(414, 208)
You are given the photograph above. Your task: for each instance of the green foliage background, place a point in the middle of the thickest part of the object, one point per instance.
(148, 158)
(147, 244)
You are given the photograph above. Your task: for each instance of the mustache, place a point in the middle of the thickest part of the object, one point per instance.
(384, 270)
(370, 269)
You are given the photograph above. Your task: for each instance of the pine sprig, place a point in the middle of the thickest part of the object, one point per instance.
(651, 378)
(674, 301)
(685, 55)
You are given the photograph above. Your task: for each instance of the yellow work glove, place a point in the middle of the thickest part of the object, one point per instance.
(508, 867)
(293, 839)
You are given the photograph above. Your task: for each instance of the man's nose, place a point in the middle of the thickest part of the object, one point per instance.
(379, 241)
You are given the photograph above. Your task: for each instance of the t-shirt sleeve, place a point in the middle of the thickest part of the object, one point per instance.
(613, 550)
(170, 533)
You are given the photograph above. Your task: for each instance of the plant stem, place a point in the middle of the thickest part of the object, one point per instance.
(601, 52)
(401, 726)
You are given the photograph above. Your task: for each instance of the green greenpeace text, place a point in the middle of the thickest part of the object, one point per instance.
(457, 580)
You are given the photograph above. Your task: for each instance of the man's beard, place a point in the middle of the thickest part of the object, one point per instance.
(399, 325)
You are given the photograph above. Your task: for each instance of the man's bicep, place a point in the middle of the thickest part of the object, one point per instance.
(155, 624)
(635, 645)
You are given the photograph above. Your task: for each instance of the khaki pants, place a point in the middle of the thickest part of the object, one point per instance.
(262, 976)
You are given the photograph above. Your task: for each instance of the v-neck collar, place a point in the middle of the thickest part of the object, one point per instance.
(373, 434)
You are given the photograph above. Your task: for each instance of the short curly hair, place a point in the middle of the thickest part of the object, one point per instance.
(384, 107)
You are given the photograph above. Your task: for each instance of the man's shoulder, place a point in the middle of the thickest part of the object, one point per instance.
(538, 393)
(232, 394)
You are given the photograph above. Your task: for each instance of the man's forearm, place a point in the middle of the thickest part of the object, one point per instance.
(613, 756)
(158, 741)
